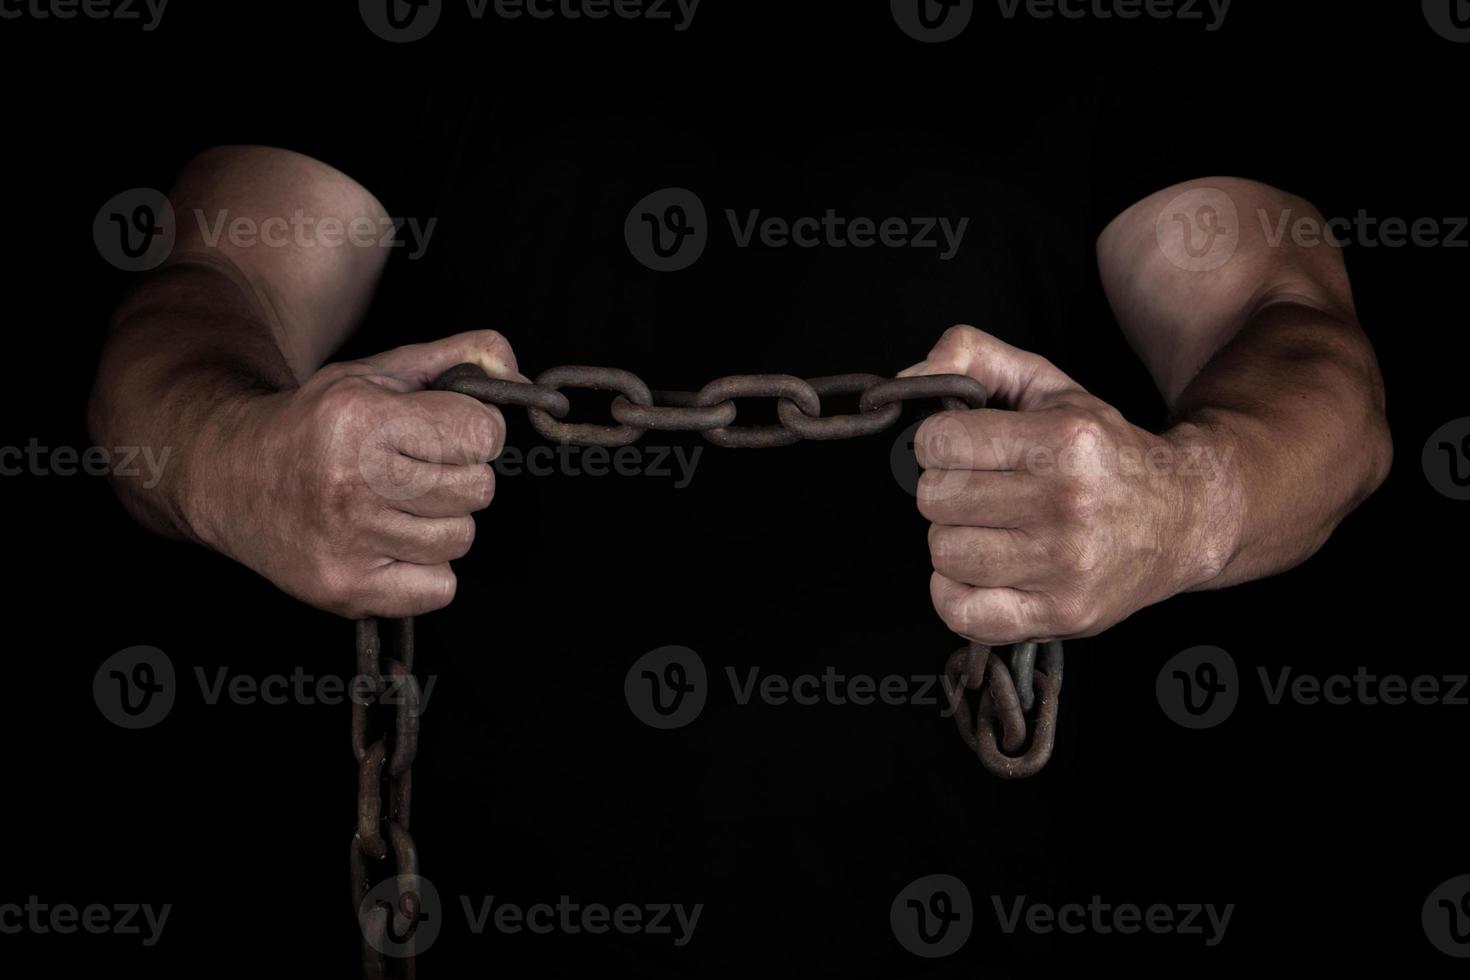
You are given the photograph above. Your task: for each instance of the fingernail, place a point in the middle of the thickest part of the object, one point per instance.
(912, 370)
(497, 368)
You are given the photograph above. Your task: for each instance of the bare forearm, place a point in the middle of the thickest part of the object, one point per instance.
(187, 347)
(1289, 420)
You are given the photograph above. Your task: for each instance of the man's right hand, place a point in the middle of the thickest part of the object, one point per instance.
(354, 491)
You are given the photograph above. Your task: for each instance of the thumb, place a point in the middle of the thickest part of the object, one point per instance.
(417, 365)
(1016, 378)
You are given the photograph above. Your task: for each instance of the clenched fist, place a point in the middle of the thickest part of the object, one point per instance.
(1058, 518)
(354, 491)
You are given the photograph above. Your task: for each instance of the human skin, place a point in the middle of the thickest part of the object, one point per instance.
(1059, 517)
(352, 487)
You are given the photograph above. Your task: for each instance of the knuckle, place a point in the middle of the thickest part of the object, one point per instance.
(459, 536)
(1076, 554)
(1079, 500)
(938, 489)
(1069, 615)
(489, 338)
(943, 440)
(946, 544)
(331, 373)
(1079, 430)
(951, 611)
(438, 593)
(494, 343)
(482, 488)
(482, 430)
(348, 398)
(961, 333)
(337, 500)
(956, 609)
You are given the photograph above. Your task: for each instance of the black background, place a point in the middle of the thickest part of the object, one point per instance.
(1327, 826)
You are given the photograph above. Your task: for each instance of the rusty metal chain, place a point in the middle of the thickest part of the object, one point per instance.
(385, 750)
(711, 410)
(1011, 693)
(996, 728)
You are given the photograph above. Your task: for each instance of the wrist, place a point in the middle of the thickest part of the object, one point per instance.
(221, 452)
(1210, 505)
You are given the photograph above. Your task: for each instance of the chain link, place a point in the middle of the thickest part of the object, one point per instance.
(385, 753)
(711, 411)
(996, 728)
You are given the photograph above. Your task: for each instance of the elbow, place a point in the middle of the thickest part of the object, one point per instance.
(1371, 437)
(1378, 448)
(1377, 436)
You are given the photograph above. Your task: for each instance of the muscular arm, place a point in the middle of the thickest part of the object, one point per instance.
(1060, 517)
(349, 486)
(1260, 360)
(222, 322)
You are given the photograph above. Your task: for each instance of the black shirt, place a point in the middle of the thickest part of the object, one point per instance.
(794, 826)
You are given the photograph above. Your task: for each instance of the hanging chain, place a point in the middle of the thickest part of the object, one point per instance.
(1010, 694)
(995, 728)
(387, 913)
